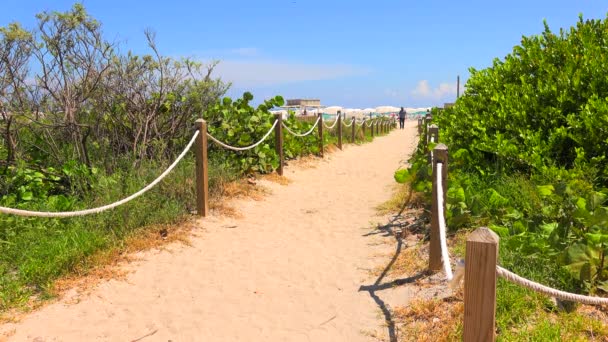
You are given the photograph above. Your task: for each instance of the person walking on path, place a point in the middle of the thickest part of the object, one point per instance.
(402, 114)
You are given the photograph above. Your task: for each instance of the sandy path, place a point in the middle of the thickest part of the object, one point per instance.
(290, 270)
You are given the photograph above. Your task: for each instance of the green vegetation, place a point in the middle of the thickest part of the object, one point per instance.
(98, 125)
(527, 159)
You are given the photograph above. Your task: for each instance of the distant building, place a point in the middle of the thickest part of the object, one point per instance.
(303, 106)
(304, 102)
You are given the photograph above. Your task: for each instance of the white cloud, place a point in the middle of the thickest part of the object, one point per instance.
(424, 90)
(249, 73)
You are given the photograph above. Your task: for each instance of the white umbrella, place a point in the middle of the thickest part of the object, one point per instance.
(332, 110)
(387, 109)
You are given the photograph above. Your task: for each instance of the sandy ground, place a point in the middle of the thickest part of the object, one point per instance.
(289, 270)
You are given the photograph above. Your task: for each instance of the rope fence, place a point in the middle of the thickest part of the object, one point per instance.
(303, 134)
(514, 278)
(445, 256)
(29, 213)
(234, 148)
(202, 184)
(481, 268)
(334, 124)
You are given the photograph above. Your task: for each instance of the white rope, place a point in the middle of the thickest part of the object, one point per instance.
(445, 257)
(360, 123)
(348, 125)
(301, 135)
(371, 122)
(105, 207)
(514, 278)
(244, 148)
(334, 124)
(432, 157)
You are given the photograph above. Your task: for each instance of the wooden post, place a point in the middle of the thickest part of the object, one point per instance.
(363, 129)
(339, 130)
(378, 127)
(320, 125)
(425, 138)
(457, 86)
(419, 125)
(202, 178)
(440, 155)
(278, 133)
(352, 134)
(433, 133)
(480, 286)
(372, 127)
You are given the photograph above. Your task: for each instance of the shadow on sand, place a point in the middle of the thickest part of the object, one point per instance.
(397, 227)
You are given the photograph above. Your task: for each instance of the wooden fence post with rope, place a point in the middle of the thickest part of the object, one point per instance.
(440, 155)
(480, 286)
(202, 175)
(278, 131)
(320, 125)
(339, 130)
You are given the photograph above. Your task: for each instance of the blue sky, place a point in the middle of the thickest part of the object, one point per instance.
(349, 53)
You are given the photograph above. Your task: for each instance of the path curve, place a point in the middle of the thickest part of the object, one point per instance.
(289, 270)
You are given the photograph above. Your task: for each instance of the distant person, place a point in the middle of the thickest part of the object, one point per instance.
(402, 114)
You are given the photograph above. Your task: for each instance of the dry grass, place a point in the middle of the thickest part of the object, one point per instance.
(410, 261)
(331, 148)
(402, 196)
(105, 265)
(239, 189)
(305, 162)
(431, 319)
(244, 188)
(275, 178)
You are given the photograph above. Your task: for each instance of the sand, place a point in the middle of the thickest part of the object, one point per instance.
(289, 270)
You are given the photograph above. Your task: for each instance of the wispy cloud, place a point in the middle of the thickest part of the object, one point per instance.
(251, 73)
(423, 90)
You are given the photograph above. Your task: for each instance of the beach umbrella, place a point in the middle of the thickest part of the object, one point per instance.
(387, 109)
(332, 110)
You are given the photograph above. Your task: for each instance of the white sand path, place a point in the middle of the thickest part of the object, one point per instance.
(289, 270)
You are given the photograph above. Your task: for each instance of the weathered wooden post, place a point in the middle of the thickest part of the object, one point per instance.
(202, 178)
(352, 134)
(440, 155)
(363, 128)
(425, 139)
(433, 135)
(378, 127)
(339, 130)
(320, 125)
(278, 132)
(419, 125)
(372, 127)
(480, 286)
